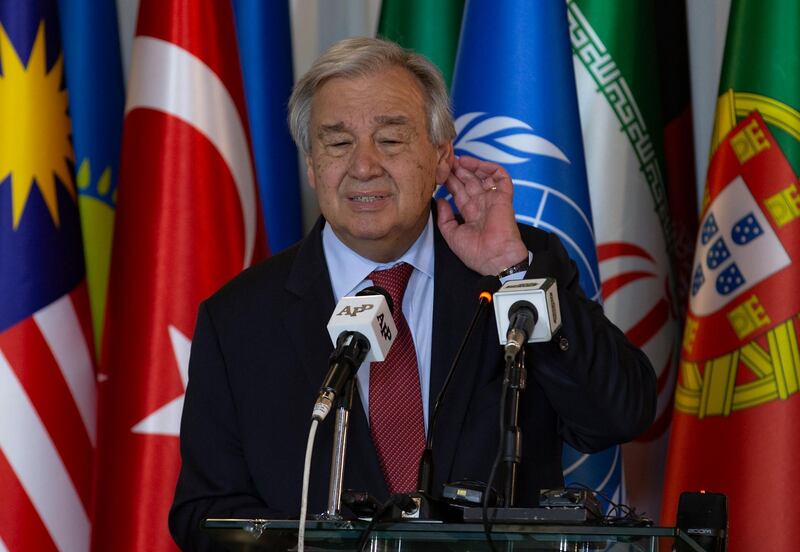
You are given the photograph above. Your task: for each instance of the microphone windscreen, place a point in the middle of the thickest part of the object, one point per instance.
(377, 290)
(524, 315)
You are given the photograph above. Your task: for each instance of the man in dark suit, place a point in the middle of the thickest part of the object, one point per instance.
(373, 121)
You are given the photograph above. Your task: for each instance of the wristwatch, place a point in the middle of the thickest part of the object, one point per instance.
(521, 266)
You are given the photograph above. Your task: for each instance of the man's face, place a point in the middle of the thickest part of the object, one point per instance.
(372, 164)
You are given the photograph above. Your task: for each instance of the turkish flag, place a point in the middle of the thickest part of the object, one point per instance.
(187, 221)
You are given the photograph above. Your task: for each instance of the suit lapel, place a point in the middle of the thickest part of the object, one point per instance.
(309, 306)
(310, 302)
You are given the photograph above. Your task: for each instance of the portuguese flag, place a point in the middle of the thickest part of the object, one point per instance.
(737, 406)
(429, 28)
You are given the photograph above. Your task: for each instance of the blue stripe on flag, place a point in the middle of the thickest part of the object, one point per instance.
(96, 90)
(265, 50)
(40, 245)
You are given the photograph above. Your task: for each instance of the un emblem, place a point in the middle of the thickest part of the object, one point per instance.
(543, 204)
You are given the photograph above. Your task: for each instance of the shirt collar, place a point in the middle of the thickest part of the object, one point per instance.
(348, 269)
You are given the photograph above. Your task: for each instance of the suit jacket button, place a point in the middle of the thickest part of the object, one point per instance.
(563, 343)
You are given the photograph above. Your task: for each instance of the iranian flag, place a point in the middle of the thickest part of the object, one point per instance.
(187, 221)
(616, 73)
(737, 406)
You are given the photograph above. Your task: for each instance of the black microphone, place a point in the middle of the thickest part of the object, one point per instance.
(378, 290)
(487, 285)
(362, 329)
(522, 317)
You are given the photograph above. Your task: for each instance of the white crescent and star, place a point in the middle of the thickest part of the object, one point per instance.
(167, 78)
(167, 419)
(170, 79)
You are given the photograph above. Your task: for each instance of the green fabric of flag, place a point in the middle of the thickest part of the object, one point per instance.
(617, 78)
(762, 60)
(430, 28)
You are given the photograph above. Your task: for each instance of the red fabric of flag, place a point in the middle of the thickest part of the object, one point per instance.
(187, 221)
(737, 402)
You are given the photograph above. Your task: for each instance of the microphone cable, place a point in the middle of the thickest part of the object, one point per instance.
(320, 411)
(301, 528)
(487, 525)
(401, 500)
(487, 285)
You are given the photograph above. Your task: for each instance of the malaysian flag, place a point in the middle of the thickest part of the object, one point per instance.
(47, 378)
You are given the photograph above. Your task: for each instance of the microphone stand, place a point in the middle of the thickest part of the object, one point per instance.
(429, 507)
(344, 404)
(351, 349)
(515, 378)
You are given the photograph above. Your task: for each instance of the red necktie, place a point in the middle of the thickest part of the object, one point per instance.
(395, 399)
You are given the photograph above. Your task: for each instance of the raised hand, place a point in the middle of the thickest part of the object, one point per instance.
(488, 240)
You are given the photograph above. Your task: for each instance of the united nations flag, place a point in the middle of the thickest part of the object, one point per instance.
(515, 104)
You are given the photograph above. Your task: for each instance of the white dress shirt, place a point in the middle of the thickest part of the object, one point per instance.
(349, 271)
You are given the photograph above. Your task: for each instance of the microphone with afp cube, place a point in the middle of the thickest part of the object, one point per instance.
(362, 329)
(526, 311)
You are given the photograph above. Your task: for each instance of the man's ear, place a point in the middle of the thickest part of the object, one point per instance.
(444, 161)
(310, 172)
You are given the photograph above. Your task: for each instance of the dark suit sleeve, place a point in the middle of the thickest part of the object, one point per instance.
(214, 480)
(602, 387)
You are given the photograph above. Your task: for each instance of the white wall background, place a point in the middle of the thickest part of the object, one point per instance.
(707, 24)
(316, 24)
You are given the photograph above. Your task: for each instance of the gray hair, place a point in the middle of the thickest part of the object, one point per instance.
(359, 57)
